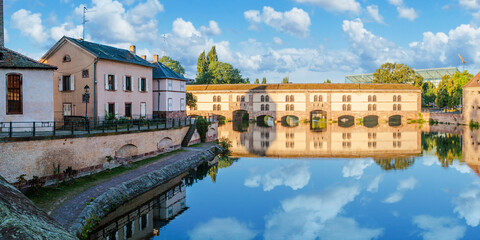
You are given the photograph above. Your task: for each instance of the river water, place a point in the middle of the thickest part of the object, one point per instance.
(406, 182)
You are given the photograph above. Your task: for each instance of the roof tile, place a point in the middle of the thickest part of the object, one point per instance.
(12, 59)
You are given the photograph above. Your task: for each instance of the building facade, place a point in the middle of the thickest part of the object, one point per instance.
(471, 100)
(307, 101)
(169, 98)
(119, 81)
(26, 89)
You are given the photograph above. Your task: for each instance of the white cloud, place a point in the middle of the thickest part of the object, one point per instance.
(336, 6)
(222, 228)
(212, 29)
(355, 168)
(30, 25)
(373, 186)
(277, 41)
(295, 22)
(316, 216)
(66, 29)
(470, 4)
(403, 186)
(296, 176)
(467, 205)
(184, 29)
(404, 11)
(372, 11)
(439, 228)
(143, 12)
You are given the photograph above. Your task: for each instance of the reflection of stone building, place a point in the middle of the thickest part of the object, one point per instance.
(139, 217)
(471, 100)
(302, 100)
(471, 149)
(357, 141)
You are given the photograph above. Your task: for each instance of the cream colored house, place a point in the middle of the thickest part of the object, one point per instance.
(471, 100)
(119, 81)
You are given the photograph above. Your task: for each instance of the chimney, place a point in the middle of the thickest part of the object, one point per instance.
(133, 49)
(144, 57)
(2, 38)
(155, 58)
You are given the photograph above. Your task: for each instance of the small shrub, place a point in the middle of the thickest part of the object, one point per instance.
(88, 227)
(474, 125)
(226, 144)
(36, 183)
(109, 158)
(21, 180)
(202, 128)
(70, 173)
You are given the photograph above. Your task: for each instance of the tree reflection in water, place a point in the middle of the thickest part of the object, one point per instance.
(448, 147)
(223, 162)
(397, 163)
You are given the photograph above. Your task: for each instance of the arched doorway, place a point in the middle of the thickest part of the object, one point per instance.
(318, 120)
(346, 121)
(395, 121)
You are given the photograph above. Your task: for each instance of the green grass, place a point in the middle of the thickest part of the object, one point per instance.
(49, 198)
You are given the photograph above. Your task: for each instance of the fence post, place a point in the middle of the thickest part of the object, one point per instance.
(33, 130)
(88, 126)
(103, 127)
(148, 124)
(54, 128)
(116, 127)
(128, 127)
(73, 128)
(10, 131)
(138, 125)
(157, 123)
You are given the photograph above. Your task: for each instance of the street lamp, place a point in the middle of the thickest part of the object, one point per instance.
(86, 99)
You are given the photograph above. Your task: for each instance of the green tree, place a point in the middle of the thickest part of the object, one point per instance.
(449, 91)
(202, 65)
(397, 163)
(286, 80)
(212, 56)
(257, 81)
(328, 81)
(204, 78)
(264, 80)
(247, 80)
(397, 73)
(191, 101)
(429, 93)
(224, 73)
(173, 64)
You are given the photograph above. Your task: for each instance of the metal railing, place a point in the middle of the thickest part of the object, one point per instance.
(88, 127)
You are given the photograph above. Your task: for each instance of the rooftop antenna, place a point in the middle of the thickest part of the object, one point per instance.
(164, 43)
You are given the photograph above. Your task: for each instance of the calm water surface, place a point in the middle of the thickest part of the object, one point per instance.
(357, 183)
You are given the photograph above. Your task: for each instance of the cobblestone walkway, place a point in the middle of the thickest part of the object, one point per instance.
(70, 209)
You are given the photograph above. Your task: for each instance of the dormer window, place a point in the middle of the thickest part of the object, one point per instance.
(67, 58)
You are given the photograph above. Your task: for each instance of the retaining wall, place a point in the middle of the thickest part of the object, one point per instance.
(453, 118)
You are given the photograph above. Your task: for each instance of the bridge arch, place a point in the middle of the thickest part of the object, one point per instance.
(395, 121)
(290, 121)
(346, 121)
(370, 121)
(265, 120)
(318, 120)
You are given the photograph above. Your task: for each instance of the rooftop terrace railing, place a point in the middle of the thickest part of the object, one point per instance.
(11, 131)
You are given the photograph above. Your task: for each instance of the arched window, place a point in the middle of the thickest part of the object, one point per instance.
(394, 107)
(214, 98)
(267, 107)
(320, 98)
(214, 107)
(374, 98)
(219, 107)
(262, 98)
(349, 107)
(394, 98)
(262, 107)
(287, 98)
(349, 98)
(287, 107)
(344, 98)
(369, 98)
(374, 107)
(292, 99)
(292, 108)
(399, 108)
(315, 98)
(238, 98)
(219, 99)
(399, 98)
(14, 94)
(243, 98)
(344, 107)
(369, 107)
(267, 98)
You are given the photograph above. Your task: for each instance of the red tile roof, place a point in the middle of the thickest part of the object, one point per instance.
(475, 82)
(303, 86)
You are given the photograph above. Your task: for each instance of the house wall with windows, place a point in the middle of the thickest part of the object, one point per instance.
(169, 98)
(36, 96)
(471, 100)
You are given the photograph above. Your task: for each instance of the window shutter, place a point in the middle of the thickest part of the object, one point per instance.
(133, 227)
(116, 109)
(115, 82)
(106, 108)
(106, 81)
(124, 83)
(72, 82)
(60, 84)
(148, 215)
(132, 87)
(139, 84)
(125, 232)
(146, 84)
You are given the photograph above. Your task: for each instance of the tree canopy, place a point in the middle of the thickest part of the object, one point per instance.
(264, 80)
(449, 91)
(257, 81)
(429, 93)
(212, 71)
(173, 64)
(286, 80)
(397, 73)
(191, 101)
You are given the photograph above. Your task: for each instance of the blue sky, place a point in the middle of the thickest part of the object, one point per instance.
(307, 40)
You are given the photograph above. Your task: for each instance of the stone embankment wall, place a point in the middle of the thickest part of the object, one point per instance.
(87, 154)
(21, 219)
(128, 190)
(453, 118)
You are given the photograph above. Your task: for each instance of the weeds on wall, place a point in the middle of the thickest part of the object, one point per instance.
(202, 128)
(474, 125)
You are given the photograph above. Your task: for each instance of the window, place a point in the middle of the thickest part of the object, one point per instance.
(369, 98)
(110, 82)
(262, 98)
(182, 86)
(243, 98)
(374, 108)
(111, 108)
(127, 83)
(262, 107)
(287, 107)
(344, 98)
(170, 104)
(182, 104)
(267, 98)
(394, 98)
(399, 98)
(374, 98)
(66, 83)
(67, 109)
(143, 107)
(320, 98)
(143, 85)
(219, 107)
(344, 107)
(219, 98)
(170, 85)
(349, 98)
(349, 107)
(14, 94)
(144, 220)
(182, 203)
(238, 98)
(170, 194)
(292, 108)
(128, 230)
(128, 109)
(399, 107)
(67, 58)
(287, 98)
(394, 107)
(292, 99)
(85, 73)
(267, 107)
(369, 107)
(214, 98)
(214, 107)
(315, 98)
(170, 211)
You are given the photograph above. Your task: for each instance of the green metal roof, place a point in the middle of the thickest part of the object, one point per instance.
(111, 53)
(430, 75)
(12, 59)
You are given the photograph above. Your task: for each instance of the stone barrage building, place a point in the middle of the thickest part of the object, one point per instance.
(471, 100)
(306, 101)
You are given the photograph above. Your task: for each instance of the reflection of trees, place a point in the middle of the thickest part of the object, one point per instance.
(199, 174)
(223, 162)
(398, 163)
(448, 147)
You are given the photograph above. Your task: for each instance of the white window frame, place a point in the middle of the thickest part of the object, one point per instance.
(182, 86)
(71, 109)
(170, 85)
(182, 104)
(170, 104)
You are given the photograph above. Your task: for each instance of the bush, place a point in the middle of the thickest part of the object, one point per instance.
(36, 183)
(226, 144)
(474, 125)
(202, 128)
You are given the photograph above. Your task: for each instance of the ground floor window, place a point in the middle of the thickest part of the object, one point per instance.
(14, 94)
(67, 109)
(143, 107)
(128, 110)
(170, 104)
(111, 108)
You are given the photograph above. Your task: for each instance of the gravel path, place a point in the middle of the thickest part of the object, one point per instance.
(70, 209)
